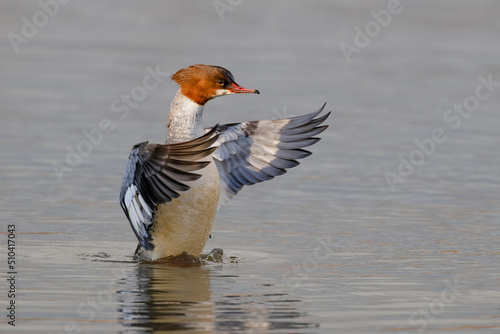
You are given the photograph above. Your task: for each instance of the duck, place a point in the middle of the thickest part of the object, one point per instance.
(171, 192)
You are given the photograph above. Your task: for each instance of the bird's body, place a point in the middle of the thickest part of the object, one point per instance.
(184, 224)
(170, 208)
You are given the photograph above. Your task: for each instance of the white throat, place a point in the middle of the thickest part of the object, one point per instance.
(184, 121)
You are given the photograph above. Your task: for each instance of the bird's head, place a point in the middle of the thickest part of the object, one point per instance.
(202, 83)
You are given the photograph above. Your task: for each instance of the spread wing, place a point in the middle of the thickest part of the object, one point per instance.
(252, 152)
(156, 174)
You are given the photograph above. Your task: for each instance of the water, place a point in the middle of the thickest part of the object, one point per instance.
(327, 248)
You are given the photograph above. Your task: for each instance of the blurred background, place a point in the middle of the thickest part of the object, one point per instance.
(396, 208)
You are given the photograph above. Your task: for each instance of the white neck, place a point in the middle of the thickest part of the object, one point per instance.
(184, 121)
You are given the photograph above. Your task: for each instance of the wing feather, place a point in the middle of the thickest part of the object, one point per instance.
(253, 152)
(156, 174)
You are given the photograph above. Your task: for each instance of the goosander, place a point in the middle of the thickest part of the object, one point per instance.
(170, 195)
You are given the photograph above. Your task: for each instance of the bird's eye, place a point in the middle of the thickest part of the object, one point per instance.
(220, 82)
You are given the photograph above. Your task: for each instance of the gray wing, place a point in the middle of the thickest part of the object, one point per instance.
(252, 152)
(156, 174)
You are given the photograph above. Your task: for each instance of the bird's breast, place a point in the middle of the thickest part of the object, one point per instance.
(184, 224)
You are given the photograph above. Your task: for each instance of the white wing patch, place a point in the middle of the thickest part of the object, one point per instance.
(140, 213)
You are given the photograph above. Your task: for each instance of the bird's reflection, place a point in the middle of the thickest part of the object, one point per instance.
(164, 298)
